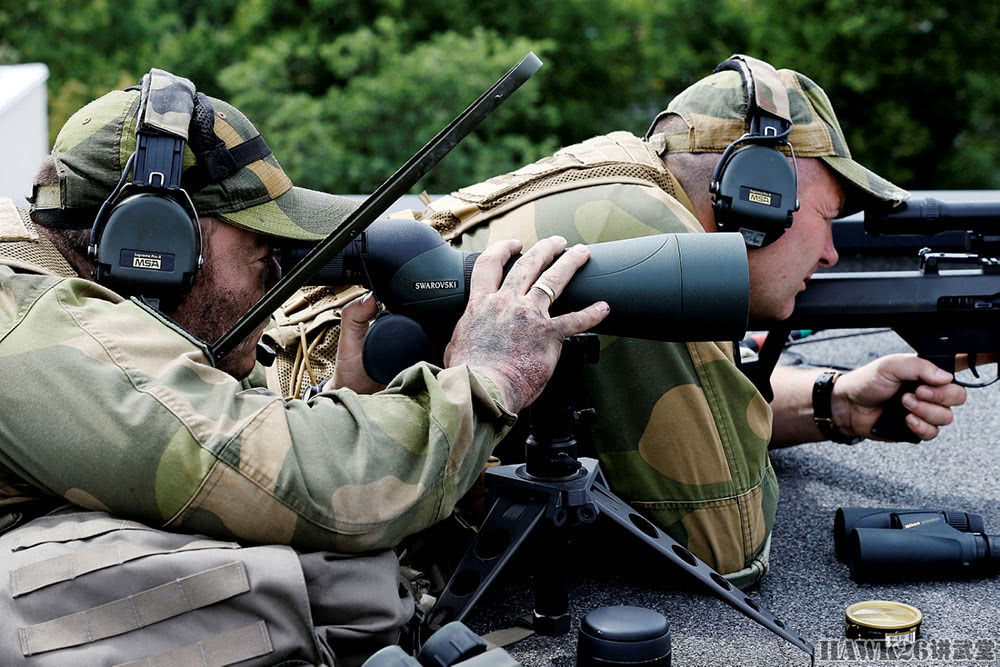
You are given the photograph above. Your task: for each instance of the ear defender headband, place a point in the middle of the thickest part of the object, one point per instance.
(147, 237)
(754, 188)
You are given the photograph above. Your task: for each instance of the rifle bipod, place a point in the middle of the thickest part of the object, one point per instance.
(565, 491)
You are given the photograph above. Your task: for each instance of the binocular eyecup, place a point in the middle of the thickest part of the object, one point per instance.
(892, 544)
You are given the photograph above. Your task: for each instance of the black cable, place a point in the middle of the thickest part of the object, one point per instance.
(810, 339)
(801, 360)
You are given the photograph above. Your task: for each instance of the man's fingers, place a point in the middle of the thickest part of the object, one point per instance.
(557, 276)
(920, 428)
(903, 367)
(359, 312)
(526, 270)
(931, 374)
(949, 394)
(354, 319)
(487, 273)
(581, 320)
(932, 413)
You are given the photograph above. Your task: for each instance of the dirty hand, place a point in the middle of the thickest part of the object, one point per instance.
(506, 332)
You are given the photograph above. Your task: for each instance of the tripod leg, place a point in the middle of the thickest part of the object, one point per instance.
(507, 525)
(626, 517)
(551, 617)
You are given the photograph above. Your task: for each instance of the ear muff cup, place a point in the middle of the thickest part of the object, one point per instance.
(148, 245)
(756, 194)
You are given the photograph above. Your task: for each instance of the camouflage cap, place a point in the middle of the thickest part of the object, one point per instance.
(94, 145)
(715, 109)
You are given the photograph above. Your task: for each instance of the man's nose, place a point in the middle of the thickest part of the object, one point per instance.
(830, 255)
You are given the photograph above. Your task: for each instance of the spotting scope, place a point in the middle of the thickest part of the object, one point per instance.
(668, 287)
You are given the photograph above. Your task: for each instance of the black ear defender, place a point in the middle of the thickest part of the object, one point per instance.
(147, 237)
(754, 188)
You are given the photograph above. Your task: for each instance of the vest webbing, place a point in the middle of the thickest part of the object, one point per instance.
(618, 157)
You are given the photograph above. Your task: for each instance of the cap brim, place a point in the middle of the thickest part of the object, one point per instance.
(865, 188)
(299, 214)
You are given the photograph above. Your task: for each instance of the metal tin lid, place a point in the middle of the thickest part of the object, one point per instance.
(884, 615)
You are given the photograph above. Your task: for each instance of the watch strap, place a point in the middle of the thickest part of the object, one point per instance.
(822, 401)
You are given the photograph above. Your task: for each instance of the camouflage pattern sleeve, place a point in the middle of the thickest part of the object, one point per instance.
(680, 432)
(109, 407)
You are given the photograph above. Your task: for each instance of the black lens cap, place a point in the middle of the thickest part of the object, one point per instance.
(623, 636)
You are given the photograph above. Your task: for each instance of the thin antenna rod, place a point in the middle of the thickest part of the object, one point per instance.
(377, 203)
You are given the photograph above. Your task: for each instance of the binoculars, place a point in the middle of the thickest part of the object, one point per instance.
(892, 544)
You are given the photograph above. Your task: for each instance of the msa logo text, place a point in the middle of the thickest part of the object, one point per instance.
(142, 261)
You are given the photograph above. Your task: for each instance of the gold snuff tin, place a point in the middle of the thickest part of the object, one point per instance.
(895, 623)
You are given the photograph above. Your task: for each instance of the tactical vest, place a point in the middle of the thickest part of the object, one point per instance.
(619, 157)
(24, 248)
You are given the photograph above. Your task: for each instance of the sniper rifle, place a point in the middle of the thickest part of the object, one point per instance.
(950, 305)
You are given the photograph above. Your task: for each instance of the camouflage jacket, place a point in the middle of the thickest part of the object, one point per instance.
(680, 432)
(113, 407)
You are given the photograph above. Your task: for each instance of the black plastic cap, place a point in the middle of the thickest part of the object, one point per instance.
(623, 636)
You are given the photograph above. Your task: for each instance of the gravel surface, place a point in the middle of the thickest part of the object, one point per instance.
(807, 587)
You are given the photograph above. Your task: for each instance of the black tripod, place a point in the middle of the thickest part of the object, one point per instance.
(556, 486)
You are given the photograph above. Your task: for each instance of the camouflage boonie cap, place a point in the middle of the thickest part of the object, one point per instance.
(94, 145)
(715, 109)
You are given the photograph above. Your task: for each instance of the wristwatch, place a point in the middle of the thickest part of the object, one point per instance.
(823, 409)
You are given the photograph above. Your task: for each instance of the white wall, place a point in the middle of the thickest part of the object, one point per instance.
(24, 127)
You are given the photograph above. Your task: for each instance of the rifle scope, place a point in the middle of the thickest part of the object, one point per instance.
(931, 216)
(668, 287)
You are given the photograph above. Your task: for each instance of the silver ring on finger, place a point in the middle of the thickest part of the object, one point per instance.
(545, 289)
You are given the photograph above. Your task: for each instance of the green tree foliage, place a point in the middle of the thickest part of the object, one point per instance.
(346, 91)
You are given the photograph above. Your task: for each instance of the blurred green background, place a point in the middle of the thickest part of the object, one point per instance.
(344, 92)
